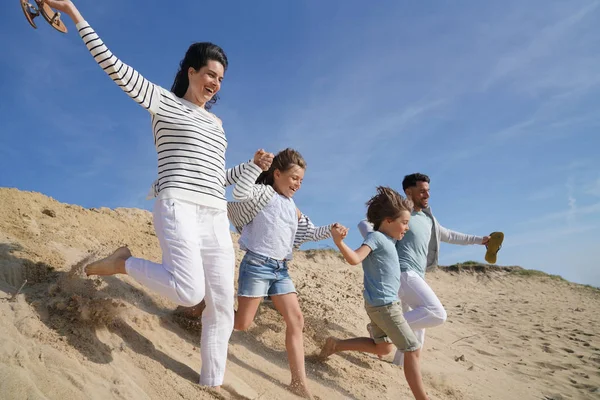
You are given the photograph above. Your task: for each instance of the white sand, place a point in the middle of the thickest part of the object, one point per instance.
(69, 337)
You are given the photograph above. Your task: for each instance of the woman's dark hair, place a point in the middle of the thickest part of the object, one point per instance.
(197, 56)
(387, 203)
(283, 161)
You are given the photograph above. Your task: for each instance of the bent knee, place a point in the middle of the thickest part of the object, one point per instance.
(441, 315)
(437, 315)
(190, 297)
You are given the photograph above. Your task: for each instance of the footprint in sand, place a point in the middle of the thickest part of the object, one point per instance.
(568, 350)
(575, 339)
(485, 353)
(553, 397)
(550, 366)
(582, 375)
(546, 348)
(584, 386)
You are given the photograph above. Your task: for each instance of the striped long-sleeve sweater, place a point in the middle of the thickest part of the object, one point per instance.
(189, 140)
(253, 197)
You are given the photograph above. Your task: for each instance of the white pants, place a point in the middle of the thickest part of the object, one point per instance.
(422, 308)
(198, 263)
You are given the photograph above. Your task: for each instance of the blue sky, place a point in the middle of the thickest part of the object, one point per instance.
(496, 101)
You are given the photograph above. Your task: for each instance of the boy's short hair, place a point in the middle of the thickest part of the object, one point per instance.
(412, 179)
(387, 203)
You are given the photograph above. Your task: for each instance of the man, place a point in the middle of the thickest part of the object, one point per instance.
(418, 252)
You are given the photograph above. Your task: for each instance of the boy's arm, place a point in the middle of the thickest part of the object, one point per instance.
(353, 257)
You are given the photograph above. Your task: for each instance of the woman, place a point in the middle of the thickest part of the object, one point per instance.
(190, 211)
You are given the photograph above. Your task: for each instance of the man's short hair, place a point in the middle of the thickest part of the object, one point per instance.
(412, 179)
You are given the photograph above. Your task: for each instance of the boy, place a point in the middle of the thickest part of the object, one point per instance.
(389, 213)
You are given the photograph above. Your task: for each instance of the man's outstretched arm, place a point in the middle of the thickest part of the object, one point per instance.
(453, 237)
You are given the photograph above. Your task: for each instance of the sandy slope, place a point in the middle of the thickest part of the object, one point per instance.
(65, 336)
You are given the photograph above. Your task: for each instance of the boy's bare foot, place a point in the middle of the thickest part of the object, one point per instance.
(328, 349)
(111, 265)
(300, 389)
(193, 312)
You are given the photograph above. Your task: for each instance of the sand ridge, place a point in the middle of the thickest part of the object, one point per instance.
(509, 335)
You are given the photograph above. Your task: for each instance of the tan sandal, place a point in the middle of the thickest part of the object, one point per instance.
(493, 246)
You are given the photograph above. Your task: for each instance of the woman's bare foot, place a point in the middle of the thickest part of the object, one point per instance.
(193, 312)
(111, 265)
(328, 349)
(300, 389)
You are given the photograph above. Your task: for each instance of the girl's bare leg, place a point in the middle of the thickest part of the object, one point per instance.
(247, 307)
(287, 305)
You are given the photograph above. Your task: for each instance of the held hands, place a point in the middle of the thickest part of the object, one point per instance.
(338, 232)
(263, 159)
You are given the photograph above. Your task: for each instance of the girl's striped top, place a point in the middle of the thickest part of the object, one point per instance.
(190, 141)
(252, 198)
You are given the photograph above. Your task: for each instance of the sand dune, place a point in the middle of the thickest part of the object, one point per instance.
(510, 334)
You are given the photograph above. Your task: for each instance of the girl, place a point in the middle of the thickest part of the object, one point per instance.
(190, 215)
(271, 226)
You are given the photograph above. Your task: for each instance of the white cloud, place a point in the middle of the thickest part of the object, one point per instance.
(517, 66)
(570, 213)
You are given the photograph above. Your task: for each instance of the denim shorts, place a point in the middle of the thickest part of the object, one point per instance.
(262, 276)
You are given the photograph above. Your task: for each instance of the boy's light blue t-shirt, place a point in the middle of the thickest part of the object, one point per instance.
(412, 249)
(381, 270)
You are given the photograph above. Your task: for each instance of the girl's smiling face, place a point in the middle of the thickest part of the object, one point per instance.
(289, 182)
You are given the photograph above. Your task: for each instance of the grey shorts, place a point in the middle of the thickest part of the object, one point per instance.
(388, 325)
